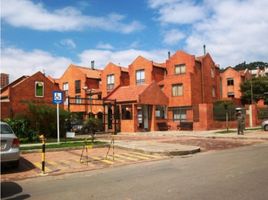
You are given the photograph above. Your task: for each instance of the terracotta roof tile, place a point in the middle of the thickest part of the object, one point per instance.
(90, 73)
(128, 93)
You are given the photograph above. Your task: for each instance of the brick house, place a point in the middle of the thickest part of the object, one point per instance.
(36, 88)
(81, 85)
(190, 81)
(231, 80)
(138, 108)
(112, 77)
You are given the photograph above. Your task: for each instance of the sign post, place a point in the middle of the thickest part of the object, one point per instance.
(58, 99)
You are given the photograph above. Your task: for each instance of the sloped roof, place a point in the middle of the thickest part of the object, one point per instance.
(141, 94)
(5, 90)
(124, 69)
(161, 65)
(90, 73)
(127, 93)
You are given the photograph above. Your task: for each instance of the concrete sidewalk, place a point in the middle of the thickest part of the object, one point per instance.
(248, 134)
(155, 147)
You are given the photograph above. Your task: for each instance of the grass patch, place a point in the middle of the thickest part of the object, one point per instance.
(69, 144)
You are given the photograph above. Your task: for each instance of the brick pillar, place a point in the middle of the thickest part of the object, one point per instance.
(153, 123)
(254, 115)
(134, 117)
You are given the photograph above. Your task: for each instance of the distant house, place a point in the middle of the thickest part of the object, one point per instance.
(142, 99)
(231, 81)
(36, 88)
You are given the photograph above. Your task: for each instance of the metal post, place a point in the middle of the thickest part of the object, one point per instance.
(42, 138)
(58, 124)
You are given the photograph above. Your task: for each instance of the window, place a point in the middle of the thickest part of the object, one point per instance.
(230, 95)
(162, 87)
(78, 99)
(160, 112)
(140, 77)
(230, 81)
(66, 88)
(110, 82)
(39, 89)
(77, 86)
(180, 69)
(179, 114)
(126, 111)
(177, 90)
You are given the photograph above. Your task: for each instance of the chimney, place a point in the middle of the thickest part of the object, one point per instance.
(92, 64)
(169, 55)
(204, 48)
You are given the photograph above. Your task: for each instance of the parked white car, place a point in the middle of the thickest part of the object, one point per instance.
(10, 151)
(264, 125)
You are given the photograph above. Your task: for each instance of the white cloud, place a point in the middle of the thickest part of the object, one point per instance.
(236, 32)
(17, 62)
(102, 45)
(124, 57)
(233, 30)
(173, 36)
(177, 11)
(25, 13)
(68, 43)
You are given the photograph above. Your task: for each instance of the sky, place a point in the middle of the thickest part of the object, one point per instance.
(49, 35)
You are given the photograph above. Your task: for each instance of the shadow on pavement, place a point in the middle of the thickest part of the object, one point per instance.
(12, 190)
(24, 165)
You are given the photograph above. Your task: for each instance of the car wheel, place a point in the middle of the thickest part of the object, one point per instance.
(266, 127)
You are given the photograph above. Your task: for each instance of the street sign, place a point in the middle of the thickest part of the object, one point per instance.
(57, 97)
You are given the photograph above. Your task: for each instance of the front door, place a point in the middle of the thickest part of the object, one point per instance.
(143, 117)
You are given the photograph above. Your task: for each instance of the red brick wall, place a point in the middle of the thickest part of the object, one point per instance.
(92, 83)
(231, 73)
(158, 74)
(110, 69)
(124, 78)
(179, 58)
(70, 75)
(138, 64)
(26, 91)
(209, 81)
(5, 110)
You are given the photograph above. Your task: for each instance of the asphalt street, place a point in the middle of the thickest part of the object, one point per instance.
(240, 173)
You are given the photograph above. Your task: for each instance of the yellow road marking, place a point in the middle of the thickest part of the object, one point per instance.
(102, 160)
(39, 166)
(148, 155)
(138, 156)
(126, 156)
(116, 158)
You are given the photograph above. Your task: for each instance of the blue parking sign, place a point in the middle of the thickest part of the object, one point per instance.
(57, 97)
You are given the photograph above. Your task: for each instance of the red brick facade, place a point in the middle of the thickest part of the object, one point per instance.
(231, 81)
(15, 94)
(179, 91)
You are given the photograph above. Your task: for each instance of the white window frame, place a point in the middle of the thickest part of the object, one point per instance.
(180, 69)
(177, 90)
(43, 85)
(110, 81)
(140, 76)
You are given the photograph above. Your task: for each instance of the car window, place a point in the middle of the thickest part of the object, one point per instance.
(5, 129)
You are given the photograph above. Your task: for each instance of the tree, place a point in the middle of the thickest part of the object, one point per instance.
(259, 87)
(250, 66)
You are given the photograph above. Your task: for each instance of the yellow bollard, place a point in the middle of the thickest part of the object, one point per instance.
(43, 139)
